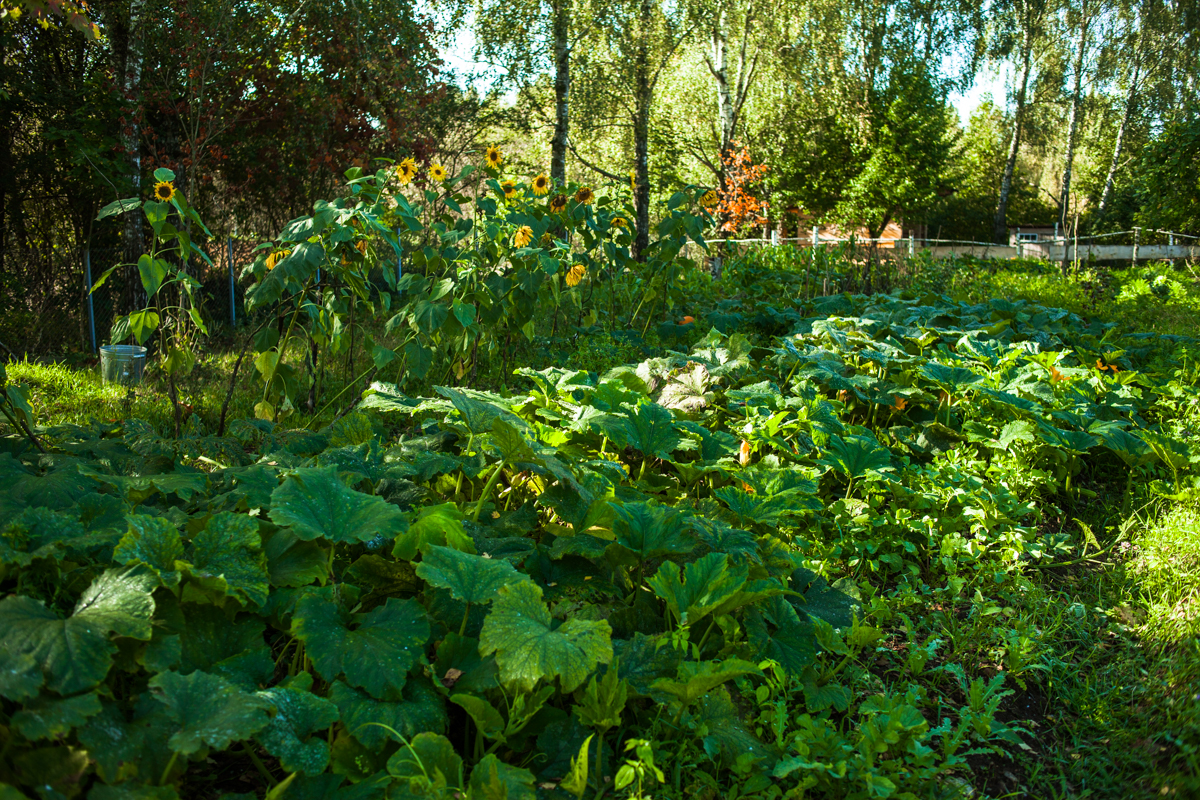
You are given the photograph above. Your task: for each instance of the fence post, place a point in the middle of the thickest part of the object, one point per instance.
(912, 245)
(774, 238)
(87, 273)
(816, 237)
(232, 292)
(1136, 237)
(1170, 240)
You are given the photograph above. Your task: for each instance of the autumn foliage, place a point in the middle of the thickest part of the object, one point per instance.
(738, 207)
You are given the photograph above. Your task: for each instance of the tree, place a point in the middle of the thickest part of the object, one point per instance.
(738, 207)
(1028, 18)
(906, 157)
(1169, 178)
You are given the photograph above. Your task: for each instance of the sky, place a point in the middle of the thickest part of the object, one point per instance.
(458, 57)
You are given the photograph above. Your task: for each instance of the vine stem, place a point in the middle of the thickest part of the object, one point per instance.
(170, 765)
(260, 766)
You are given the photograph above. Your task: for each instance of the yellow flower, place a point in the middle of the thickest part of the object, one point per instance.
(558, 203)
(619, 222)
(576, 274)
(164, 190)
(523, 236)
(633, 180)
(276, 257)
(585, 196)
(708, 199)
(437, 172)
(547, 239)
(406, 170)
(361, 246)
(510, 189)
(541, 185)
(493, 158)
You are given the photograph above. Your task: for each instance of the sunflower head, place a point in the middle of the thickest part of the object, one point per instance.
(546, 239)
(523, 236)
(437, 173)
(510, 189)
(541, 185)
(620, 222)
(585, 196)
(708, 199)
(575, 275)
(493, 157)
(164, 191)
(406, 170)
(558, 203)
(276, 257)
(361, 246)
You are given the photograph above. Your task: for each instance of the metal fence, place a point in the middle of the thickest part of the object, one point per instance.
(47, 311)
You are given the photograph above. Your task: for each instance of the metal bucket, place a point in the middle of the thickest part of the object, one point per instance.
(122, 363)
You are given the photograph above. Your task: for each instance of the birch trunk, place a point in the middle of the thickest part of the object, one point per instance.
(1114, 164)
(562, 91)
(641, 128)
(1064, 205)
(1000, 223)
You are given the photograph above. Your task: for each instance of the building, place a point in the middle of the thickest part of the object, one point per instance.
(1025, 234)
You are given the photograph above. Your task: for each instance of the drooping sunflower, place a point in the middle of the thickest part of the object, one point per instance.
(164, 191)
(546, 239)
(585, 196)
(620, 222)
(276, 257)
(510, 189)
(361, 246)
(437, 172)
(541, 185)
(708, 199)
(406, 170)
(575, 275)
(493, 158)
(523, 236)
(558, 203)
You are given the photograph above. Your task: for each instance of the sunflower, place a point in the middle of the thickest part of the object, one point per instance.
(361, 246)
(546, 239)
(523, 236)
(164, 190)
(633, 180)
(576, 274)
(493, 158)
(437, 172)
(558, 203)
(708, 199)
(620, 222)
(510, 189)
(276, 257)
(541, 185)
(585, 196)
(406, 170)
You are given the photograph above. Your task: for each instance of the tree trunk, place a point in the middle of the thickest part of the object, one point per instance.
(1130, 102)
(1000, 223)
(127, 55)
(562, 91)
(641, 128)
(718, 66)
(1064, 205)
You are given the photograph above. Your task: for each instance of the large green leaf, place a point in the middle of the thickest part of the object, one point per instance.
(650, 530)
(856, 456)
(208, 710)
(471, 578)
(492, 779)
(298, 715)
(375, 650)
(155, 543)
(46, 717)
(71, 655)
(428, 765)
(314, 503)
(37, 533)
(695, 679)
(703, 585)
(528, 648)
(372, 721)
(952, 379)
(439, 525)
(648, 428)
(228, 554)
